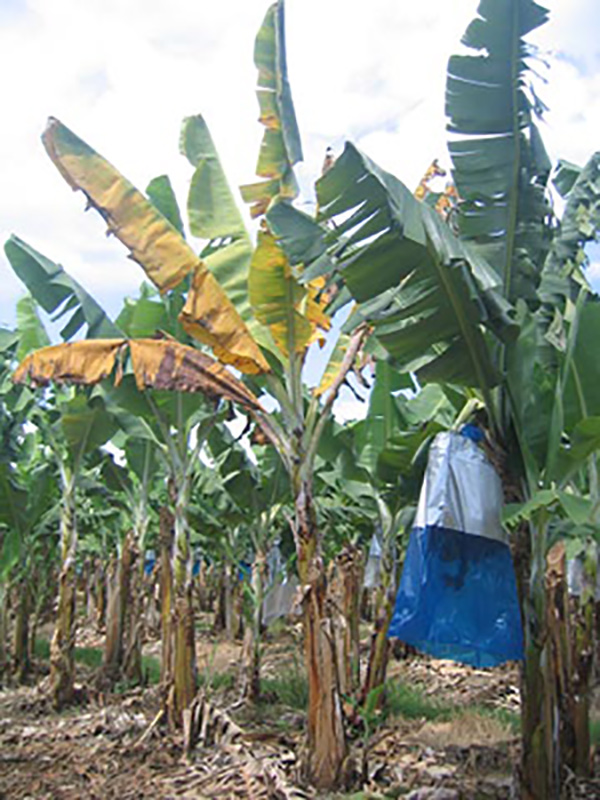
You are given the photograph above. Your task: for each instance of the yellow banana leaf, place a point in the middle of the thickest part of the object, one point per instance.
(157, 364)
(315, 305)
(153, 242)
(156, 245)
(85, 362)
(332, 370)
(206, 317)
(277, 298)
(166, 364)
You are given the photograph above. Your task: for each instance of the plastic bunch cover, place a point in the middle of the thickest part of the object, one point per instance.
(281, 589)
(149, 561)
(372, 577)
(458, 596)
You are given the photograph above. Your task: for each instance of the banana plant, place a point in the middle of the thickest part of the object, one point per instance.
(212, 293)
(28, 497)
(259, 494)
(130, 485)
(499, 309)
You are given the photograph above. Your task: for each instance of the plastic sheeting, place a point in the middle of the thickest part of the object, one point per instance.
(372, 577)
(149, 561)
(458, 597)
(578, 581)
(280, 589)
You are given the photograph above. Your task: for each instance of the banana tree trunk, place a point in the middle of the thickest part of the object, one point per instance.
(99, 592)
(220, 617)
(250, 670)
(379, 648)
(62, 646)
(21, 633)
(349, 572)
(132, 659)
(326, 739)
(119, 601)
(184, 655)
(3, 631)
(540, 754)
(559, 647)
(44, 588)
(166, 521)
(582, 630)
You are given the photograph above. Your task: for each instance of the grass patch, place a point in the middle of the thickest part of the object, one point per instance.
(406, 701)
(595, 732)
(216, 681)
(289, 690)
(411, 703)
(92, 657)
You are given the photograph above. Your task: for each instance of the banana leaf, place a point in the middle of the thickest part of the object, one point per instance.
(156, 364)
(58, 293)
(280, 148)
(277, 298)
(32, 334)
(161, 195)
(434, 304)
(500, 166)
(157, 246)
(214, 215)
(579, 223)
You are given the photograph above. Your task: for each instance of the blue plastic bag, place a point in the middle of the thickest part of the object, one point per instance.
(458, 597)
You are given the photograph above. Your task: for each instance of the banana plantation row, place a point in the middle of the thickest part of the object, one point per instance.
(469, 306)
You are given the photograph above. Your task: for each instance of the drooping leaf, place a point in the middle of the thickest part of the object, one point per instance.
(209, 316)
(176, 367)
(85, 362)
(56, 292)
(157, 364)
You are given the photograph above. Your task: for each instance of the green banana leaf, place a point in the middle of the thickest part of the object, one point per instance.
(32, 334)
(579, 223)
(161, 195)
(214, 215)
(429, 297)
(84, 424)
(500, 166)
(383, 416)
(56, 291)
(280, 148)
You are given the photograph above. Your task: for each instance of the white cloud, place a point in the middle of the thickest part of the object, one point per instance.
(123, 73)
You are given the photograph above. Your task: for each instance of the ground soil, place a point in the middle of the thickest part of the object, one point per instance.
(111, 746)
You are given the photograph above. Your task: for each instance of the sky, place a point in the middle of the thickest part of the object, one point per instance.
(123, 74)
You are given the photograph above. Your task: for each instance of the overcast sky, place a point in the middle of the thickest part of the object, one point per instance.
(123, 73)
